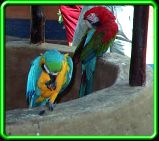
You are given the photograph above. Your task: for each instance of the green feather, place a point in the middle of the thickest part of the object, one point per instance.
(53, 60)
(92, 47)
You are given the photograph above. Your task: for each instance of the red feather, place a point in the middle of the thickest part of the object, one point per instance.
(107, 20)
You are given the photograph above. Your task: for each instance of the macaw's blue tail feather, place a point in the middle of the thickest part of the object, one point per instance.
(89, 84)
(86, 87)
(89, 67)
(83, 84)
(29, 97)
(88, 70)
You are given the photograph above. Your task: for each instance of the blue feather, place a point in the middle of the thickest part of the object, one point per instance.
(89, 36)
(33, 76)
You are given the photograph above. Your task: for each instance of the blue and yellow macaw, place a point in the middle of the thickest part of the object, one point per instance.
(49, 75)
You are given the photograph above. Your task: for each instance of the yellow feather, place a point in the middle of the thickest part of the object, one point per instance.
(45, 92)
(42, 61)
(60, 80)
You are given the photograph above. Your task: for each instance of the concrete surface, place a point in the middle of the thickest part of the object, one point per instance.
(117, 109)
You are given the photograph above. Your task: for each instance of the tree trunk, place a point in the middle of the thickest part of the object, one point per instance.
(137, 71)
(37, 25)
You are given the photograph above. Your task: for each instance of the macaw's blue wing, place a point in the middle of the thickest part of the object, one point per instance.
(32, 91)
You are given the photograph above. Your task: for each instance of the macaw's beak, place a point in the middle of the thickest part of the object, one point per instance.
(52, 77)
(51, 84)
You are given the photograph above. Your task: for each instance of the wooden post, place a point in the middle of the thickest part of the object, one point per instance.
(37, 25)
(137, 71)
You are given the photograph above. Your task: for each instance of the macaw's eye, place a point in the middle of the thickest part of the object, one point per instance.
(92, 18)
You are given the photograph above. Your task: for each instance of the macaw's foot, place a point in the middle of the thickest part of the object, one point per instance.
(42, 112)
(51, 106)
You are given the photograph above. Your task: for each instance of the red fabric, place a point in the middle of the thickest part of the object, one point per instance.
(70, 16)
(107, 20)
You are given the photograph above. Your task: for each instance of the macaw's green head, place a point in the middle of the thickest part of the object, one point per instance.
(53, 60)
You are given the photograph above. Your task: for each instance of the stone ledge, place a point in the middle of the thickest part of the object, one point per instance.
(26, 44)
(119, 110)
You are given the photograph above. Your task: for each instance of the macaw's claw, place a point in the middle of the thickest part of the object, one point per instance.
(50, 85)
(41, 112)
(51, 106)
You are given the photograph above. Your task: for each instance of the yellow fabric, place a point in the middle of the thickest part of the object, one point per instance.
(60, 80)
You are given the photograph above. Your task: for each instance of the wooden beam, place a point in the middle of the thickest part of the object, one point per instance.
(37, 25)
(137, 71)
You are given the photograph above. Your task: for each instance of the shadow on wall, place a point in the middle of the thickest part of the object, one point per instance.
(18, 61)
